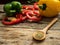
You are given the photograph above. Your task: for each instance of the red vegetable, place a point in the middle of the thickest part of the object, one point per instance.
(36, 6)
(27, 7)
(24, 6)
(32, 16)
(24, 12)
(11, 22)
(37, 13)
(22, 16)
(28, 12)
(30, 8)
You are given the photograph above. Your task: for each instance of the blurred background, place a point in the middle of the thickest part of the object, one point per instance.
(7, 1)
(22, 1)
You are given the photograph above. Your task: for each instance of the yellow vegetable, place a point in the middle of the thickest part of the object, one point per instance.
(49, 8)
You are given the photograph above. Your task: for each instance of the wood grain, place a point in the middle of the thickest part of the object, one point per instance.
(21, 34)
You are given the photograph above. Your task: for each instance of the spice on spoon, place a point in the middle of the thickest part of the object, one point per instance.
(39, 35)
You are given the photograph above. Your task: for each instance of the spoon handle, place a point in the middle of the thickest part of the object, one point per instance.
(50, 24)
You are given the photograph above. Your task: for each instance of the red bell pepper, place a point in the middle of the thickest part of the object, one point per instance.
(24, 7)
(22, 16)
(11, 22)
(37, 13)
(24, 11)
(27, 7)
(36, 6)
(33, 16)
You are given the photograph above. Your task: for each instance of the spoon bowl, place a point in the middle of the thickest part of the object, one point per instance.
(39, 35)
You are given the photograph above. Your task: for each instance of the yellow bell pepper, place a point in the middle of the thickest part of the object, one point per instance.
(49, 8)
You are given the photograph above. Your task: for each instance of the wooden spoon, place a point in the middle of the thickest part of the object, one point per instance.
(41, 34)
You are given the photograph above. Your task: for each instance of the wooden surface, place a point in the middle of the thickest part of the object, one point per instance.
(21, 34)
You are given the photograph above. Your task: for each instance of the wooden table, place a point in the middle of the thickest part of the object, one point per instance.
(21, 34)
